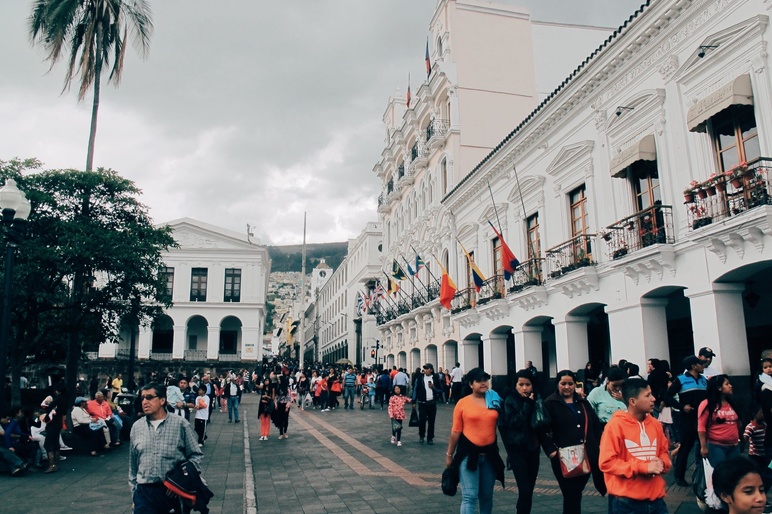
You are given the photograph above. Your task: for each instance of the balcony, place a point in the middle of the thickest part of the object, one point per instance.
(644, 228)
(528, 274)
(463, 300)
(492, 289)
(436, 132)
(730, 195)
(230, 357)
(383, 205)
(386, 311)
(570, 255)
(195, 355)
(406, 178)
(123, 354)
(419, 157)
(160, 356)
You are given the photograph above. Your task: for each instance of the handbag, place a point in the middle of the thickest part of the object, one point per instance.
(573, 459)
(396, 425)
(269, 408)
(539, 417)
(413, 419)
(450, 478)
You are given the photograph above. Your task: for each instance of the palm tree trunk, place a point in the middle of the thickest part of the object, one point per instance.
(95, 105)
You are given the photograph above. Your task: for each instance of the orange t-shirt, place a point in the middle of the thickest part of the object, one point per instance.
(476, 422)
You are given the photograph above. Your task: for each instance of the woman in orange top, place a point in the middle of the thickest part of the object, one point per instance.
(473, 439)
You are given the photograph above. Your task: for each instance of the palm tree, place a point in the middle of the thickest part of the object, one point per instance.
(90, 33)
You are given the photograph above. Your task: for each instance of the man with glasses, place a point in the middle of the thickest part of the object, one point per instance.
(158, 442)
(426, 390)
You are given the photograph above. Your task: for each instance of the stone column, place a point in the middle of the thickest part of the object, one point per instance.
(571, 342)
(718, 321)
(495, 355)
(639, 331)
(213, 342)
(468, 354)
(144, 342)
(178, 342)
(250, 343)
(528, 346)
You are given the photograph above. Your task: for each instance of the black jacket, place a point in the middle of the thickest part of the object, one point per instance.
(419, 388)
(515, 423)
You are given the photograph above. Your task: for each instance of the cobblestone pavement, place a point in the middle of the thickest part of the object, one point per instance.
(333, 462)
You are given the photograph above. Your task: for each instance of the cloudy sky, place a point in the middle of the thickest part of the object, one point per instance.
(244, 112)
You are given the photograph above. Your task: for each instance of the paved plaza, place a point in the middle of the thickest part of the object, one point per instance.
(333, 462)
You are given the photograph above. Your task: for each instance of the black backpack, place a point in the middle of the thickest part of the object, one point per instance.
(185, 481)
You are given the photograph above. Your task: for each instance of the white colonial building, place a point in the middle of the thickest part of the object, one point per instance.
(333, 329)
(587, 188)
(218, 280)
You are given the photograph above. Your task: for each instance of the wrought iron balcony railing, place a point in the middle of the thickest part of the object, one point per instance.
(195, 355)
(571, 255)
(731, 194)
(529, 273)
(644, 228)
(463, 300)
(437, 128)
(492, 289)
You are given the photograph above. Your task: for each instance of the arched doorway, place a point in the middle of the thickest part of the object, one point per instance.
(431, 355)
(197, 332)
(471, 352)
(163, 334)
(230, 335)
(415, 360)
(402, 360)
(449, 354)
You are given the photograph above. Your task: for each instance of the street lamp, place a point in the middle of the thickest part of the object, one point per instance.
(16, 209)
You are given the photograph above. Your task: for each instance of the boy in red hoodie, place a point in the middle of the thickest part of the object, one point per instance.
(634, 454)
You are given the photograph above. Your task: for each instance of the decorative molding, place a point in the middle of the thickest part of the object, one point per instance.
(494, 310)
(467, 318)
(531, 299)
(669, 68)
(733, 233)
(577, 283)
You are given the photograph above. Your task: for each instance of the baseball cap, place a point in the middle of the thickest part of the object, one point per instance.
(79, 400)
(428, 365)
(690, 361)
(706, 351)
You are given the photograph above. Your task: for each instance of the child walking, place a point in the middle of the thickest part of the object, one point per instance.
(397, 414)
(202, 414)
(755, 435)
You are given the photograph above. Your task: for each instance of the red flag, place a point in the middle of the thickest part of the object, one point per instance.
(508, 260)
(407, 102)
(428, 61)
(447, 289)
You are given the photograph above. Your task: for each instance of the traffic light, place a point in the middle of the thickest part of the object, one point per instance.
(372, 353)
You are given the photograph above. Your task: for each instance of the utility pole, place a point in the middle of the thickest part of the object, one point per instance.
(374, 351)
(302, 298)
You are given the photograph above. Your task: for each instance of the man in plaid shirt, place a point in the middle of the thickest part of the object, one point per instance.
(158, 442)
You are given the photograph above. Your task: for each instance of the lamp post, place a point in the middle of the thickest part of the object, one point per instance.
(16, 209)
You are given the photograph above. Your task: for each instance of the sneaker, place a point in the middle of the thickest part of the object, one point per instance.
(393, 439)
(62, 457)
(399, 443)
(430, 441)
(200, 445)
(421, 440)
(682, 483)
(238, 421)
(65, 448)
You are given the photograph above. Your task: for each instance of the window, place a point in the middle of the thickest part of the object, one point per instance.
(578, 200)
(735, 136)
(534, 241)
(232, 285)
(444, 176)
(646, 190)
(167, 275)
(198, 278)
(496, 242)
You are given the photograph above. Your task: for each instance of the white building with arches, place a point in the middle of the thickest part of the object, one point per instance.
(218, 280)
(589, 191)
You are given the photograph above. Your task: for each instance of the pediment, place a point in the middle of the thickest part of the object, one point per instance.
(191, 234)
(570, 157)
(494, 214)
(751, 28)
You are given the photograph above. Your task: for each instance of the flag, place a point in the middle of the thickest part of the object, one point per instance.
(477, 276)
(428, 61)
(396, 271)
(379, 291)
(366, 300)
(393, 286)
(447, 288)
(419, 264)
(360, 304)
(410, 270)
(407, 101)
(508, 260)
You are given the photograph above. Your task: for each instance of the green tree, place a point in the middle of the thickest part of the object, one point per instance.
(90, 33)
(89, 261)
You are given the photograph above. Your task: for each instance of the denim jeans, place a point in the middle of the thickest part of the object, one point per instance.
(233, 407)
(152, 499)
(348, 396)
(718, 453)
(477, 486)
(620, 505)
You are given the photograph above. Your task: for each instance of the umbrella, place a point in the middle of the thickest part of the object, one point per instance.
(344, 361)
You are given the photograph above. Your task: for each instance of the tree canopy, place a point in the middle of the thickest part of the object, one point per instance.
(89, 261)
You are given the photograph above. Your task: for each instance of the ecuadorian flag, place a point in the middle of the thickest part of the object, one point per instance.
(477, 276)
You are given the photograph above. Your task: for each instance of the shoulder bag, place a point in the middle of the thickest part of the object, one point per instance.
(539, 417)
(573, 459)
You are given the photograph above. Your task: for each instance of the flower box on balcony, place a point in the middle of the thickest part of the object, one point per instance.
(621, 252)
(701, 222)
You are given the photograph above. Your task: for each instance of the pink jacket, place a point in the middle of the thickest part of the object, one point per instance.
(397, 407)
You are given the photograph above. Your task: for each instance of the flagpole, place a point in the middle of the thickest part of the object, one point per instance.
(413, 277)
(501, 230)
(427, 268)
(525, 217)
(301, 351)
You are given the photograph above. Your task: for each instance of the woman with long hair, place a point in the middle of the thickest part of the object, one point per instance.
(283, 404)
(738, 484)
(520, 437)
(718, 425)
(572, 422)
(473, 441)
(267, 398)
